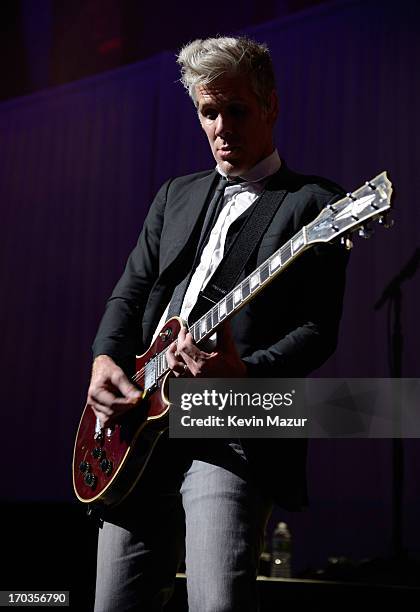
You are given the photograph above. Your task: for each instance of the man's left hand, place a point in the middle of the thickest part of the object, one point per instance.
(186, 359)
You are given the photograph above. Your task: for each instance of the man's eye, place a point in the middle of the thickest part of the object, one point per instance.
(210, 114)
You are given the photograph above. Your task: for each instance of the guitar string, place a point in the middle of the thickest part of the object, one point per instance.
(137, 376)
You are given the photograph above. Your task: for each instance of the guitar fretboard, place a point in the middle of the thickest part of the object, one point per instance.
(207, 325)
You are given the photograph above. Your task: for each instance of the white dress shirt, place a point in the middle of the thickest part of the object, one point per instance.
(237, 198)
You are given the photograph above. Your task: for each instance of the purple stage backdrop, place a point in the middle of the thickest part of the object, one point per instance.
(78, 168)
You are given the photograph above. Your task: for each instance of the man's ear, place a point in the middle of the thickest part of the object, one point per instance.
(273, 107)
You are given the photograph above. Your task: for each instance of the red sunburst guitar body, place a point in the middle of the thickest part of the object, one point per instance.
(107, 463)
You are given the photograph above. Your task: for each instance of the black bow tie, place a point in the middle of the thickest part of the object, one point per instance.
(235, 180)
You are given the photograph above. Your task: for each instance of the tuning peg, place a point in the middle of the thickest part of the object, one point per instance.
(371, 185)
(386, 221)
(365, 231)
(346, 242)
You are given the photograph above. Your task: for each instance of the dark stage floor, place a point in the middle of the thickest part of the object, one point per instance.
(53, 547)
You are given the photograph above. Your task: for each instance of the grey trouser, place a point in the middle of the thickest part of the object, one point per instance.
(212, 505)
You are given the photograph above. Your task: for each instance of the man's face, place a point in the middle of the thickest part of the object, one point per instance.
(239, 131)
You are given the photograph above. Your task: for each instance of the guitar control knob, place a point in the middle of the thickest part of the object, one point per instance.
(90, 480)
(97, 452)
(106, 466)
(84, 467)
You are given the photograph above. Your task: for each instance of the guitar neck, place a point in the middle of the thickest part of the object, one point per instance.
(370, 202)
(249, 287)
(223, 310)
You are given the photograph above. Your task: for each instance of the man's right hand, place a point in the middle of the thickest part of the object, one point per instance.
(110, 392)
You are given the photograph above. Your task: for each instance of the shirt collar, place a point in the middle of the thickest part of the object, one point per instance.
(265, 168)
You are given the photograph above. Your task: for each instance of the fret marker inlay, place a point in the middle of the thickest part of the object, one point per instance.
(255, 280)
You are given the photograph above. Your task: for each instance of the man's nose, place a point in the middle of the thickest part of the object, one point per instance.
(223, 126)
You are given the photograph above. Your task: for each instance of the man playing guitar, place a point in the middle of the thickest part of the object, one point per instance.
(213, 496)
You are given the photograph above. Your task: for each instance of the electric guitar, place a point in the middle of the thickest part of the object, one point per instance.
(107, 462)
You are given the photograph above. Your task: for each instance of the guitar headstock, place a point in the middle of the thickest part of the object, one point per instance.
(370, 202)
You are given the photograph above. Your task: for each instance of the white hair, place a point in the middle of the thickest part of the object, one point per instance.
(203, 61)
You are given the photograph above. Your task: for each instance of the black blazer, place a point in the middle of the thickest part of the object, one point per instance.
(288, 330)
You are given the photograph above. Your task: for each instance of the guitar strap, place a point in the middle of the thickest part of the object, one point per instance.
(235, 259)
(210, 219)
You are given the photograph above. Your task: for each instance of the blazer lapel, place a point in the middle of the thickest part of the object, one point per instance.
(281, 181)
(188, 211)
(187, 215)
